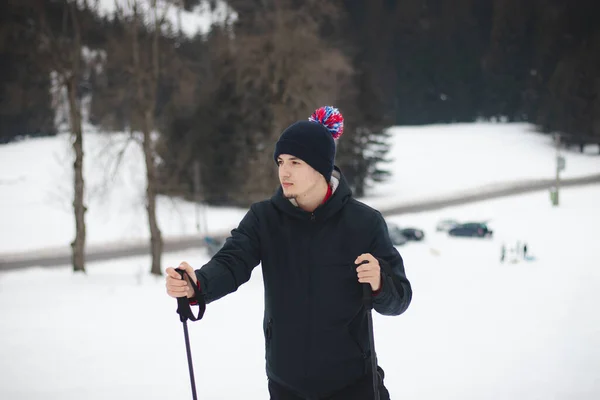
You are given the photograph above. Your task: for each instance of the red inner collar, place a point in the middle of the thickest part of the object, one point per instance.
(328, 195)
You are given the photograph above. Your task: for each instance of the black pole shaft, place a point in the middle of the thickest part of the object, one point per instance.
(368, 303)
(189, 358)
(373, 356)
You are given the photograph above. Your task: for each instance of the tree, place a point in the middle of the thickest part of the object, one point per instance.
(284, 70)
(142, 33)
(213, 133)
(61, 46)
(367, 101)
(568, 67)
(508, 62)
(141, 53)
(25, 101)
(283, 60)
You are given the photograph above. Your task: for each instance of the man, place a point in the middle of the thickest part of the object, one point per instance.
(316, 245)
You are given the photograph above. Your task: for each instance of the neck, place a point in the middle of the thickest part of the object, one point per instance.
(314, 199)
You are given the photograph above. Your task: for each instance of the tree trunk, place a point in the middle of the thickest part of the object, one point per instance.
(78, 245)
(146, 83)
(156, 241)
(63, 49)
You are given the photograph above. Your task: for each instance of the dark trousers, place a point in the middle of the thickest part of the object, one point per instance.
(360, 390)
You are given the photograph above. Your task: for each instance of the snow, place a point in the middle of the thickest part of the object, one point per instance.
(439, 160)
(36, 193)
(197, 21)
(477, 328)
(36, 197)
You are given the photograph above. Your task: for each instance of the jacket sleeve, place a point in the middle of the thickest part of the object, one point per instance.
(233, 264)
(396, 292)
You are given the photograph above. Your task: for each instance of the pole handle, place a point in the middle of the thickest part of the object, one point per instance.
(183, 303)
(367, 296)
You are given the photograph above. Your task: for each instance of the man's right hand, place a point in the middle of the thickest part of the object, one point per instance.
(178, 287)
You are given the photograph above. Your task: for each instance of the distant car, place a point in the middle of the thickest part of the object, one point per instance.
(400, 236)
(446, 224)
(471, 229)
(413, 234)
(396, 236)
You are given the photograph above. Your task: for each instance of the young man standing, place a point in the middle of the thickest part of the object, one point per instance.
(316, 245)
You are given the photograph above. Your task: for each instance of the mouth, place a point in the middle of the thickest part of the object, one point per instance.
(286, 184)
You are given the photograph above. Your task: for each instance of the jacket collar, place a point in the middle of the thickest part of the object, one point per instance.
(341, 194)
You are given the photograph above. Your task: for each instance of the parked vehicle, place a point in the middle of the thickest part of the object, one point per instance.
(400, 236)
(396, 236)
(446, 224)
(413, 234)
(471, 229)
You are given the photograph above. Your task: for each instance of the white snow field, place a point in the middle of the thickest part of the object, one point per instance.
(425, 162)
(477, 328)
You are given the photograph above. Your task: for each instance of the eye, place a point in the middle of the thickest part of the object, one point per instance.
(296, 162)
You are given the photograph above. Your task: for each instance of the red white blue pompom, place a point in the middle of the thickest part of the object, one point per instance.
(331, 118)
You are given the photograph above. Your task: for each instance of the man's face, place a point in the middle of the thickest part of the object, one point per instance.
(297, 178)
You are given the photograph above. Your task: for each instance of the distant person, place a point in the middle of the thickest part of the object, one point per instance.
(525, 251)
(310, 238)
(502, 253)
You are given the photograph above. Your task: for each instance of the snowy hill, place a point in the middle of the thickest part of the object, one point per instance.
(438, 160)
(476, 329)
(426, 162)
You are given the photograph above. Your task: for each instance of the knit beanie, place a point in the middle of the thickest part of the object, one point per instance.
(312, 141)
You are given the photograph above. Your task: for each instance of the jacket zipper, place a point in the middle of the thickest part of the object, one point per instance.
(309, 315)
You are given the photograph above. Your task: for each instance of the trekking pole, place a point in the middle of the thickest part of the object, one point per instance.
(185, 312)
(189, 356)
(368, 302)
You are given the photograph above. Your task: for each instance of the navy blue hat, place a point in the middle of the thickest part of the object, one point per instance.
(312, 141)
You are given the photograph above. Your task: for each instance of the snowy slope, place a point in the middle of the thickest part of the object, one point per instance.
(426, 162)
(477, 328)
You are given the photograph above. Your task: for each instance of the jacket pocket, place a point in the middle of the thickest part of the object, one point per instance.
(356, 332)
(268, 331)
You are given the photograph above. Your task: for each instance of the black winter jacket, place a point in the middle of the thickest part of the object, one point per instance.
(315, 324)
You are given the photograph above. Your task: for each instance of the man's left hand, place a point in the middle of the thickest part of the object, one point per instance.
(369, 272)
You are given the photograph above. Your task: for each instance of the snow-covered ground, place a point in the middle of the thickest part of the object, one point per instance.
(439, 160)
(426, 162)
(36, 194)
(477, 328)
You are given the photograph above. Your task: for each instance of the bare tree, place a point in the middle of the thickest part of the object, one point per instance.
(143, 32)
(282, 56)
(62, 47)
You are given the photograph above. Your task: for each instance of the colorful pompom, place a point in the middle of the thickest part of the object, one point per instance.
(331, 118)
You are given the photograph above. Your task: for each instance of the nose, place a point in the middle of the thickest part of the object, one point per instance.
(284, 171)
